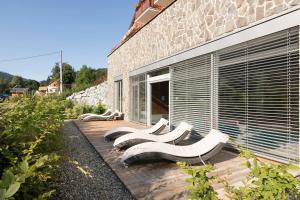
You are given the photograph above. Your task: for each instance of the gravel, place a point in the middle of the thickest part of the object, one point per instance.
(83, 173)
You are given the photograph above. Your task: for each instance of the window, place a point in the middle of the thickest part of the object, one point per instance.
(159, 72)
(138, 99)
(119, 95)
(190, 93)
(258, 94)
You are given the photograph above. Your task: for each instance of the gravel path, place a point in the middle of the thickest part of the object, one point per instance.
(83, 173)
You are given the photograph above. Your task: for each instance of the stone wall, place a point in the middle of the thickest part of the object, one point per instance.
(186, 24)
(91, 96)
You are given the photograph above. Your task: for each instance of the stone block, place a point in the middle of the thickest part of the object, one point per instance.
(260, 13)
(91, 96)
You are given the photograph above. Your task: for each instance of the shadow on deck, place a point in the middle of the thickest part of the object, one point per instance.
(157, 180)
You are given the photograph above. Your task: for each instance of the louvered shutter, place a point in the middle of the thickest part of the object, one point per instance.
(190, 93)
(258, 94)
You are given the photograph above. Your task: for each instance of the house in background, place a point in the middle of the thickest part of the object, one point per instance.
(19, 91)
(42, 90)
(231, 65)
(53, 87)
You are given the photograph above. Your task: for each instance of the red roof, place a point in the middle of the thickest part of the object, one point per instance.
(135, 26)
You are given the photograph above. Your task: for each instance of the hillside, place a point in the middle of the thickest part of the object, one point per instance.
(5, 76)
(7, 81)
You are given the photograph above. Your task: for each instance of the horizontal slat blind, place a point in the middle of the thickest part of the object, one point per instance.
(138, 98)
(258, 92)
(190, 93)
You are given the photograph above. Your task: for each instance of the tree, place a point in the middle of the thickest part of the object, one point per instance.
(55, 72)
(85, 77)
(32, 84)
(46, 82)
(101, 75)
(17, 81)
(69, 73)
(4, 88)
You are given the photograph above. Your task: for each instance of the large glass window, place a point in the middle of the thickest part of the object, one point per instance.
(258, 92)
(138, 99)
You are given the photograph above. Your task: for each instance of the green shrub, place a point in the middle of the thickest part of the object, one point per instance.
(74, 110)
(266, 181)
(30, 141)
(99, 109)
(69, 104)
(199, 183)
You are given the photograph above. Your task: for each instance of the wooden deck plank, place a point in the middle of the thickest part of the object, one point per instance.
(158, 180)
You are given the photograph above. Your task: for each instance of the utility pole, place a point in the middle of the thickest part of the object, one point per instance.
(61, 72)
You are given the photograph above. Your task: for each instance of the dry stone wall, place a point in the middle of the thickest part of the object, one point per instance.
(91, 96)
(186, 24)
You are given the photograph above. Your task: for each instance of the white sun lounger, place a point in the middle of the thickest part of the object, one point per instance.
(117, 132)
(195, 153)
(175, 136)
(107, 112)
(103, 118)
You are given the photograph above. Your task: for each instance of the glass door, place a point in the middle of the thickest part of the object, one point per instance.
(157, 98)
(159, 101)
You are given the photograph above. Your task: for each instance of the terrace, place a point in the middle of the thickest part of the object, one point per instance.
(164, 179)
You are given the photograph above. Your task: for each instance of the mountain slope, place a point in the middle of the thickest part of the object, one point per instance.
(6, 76)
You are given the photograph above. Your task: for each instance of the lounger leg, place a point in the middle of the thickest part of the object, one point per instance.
(202, 161)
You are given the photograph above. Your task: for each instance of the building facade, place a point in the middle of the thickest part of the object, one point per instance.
(232, 65)
(53, 87)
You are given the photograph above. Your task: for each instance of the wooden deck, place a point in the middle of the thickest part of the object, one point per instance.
(158, 180)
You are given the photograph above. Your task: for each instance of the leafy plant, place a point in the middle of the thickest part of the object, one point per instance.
(29, 132)
(266, 181)
(99, 108)
(199, 187)
(79, 109)
(246, 154)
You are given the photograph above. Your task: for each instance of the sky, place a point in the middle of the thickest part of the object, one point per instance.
(85, 30)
